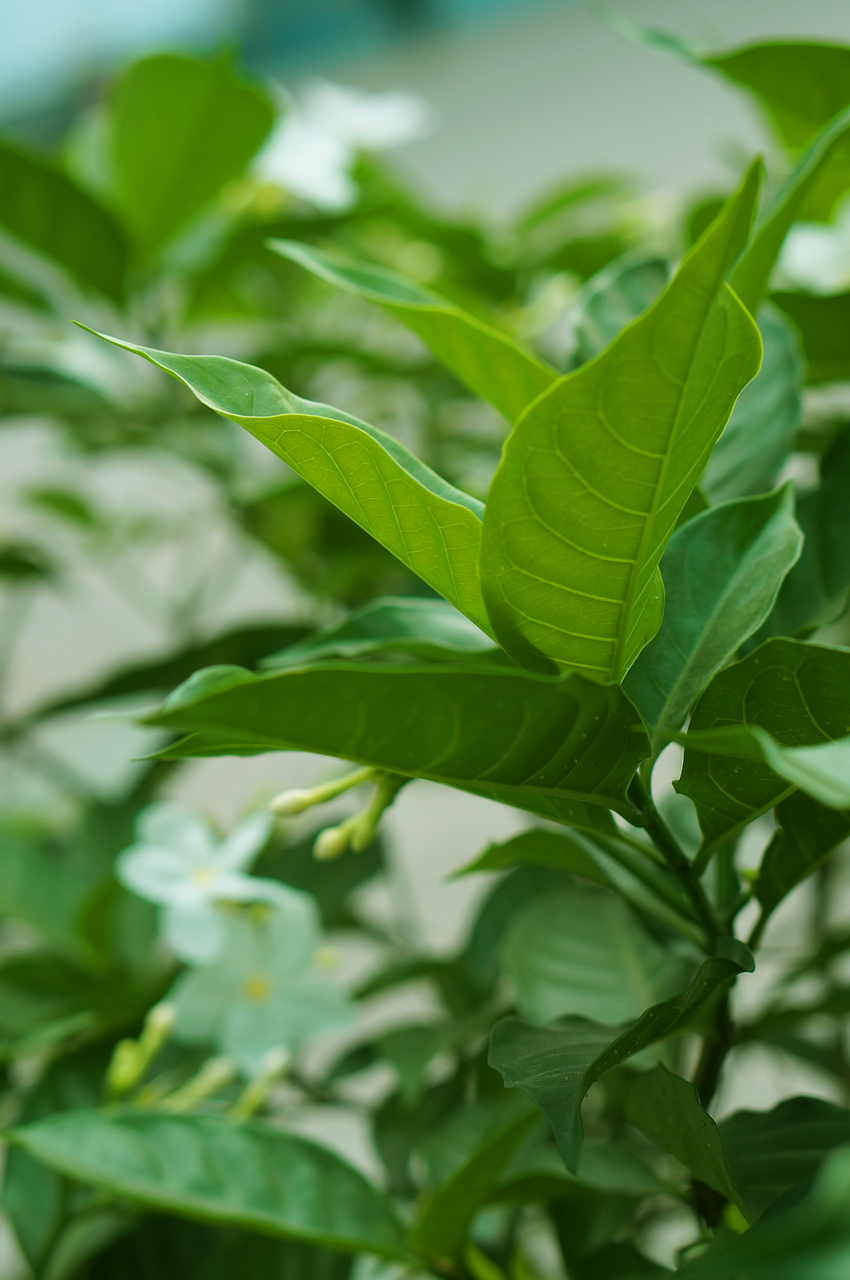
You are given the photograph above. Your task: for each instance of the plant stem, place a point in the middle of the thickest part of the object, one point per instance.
(715, 1047)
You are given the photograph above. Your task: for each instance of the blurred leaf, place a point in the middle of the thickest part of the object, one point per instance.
(249, 1175)
(330, 882)
(771, 1151)
(47, 211)
(181, 127)
(24, 562)
(614, 298)
(722, 572)
(558, 952)
(807, 833)
(566, 851)
(433, 528)
(760, 433)
(490, 363)
(556, 1065)
(822, 322)
(560, 747)
(666, 1108)
(579, 514)
(67, 505)
(794, 691)
(612, 1168)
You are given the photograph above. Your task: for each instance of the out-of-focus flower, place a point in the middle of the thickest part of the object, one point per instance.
(262, 993)
(178, 863)
(313, 149)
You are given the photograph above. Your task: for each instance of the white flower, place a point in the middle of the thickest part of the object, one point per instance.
(177, 863)
(261, 994)
(313, 148)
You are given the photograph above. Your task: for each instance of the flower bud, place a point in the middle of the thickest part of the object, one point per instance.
(299, 799)
(272, 1067)
(332, 842)
(213, 1075)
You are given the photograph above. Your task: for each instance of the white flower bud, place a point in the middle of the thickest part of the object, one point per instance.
(332, 842)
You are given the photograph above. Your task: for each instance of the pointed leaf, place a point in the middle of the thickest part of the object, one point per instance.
(429, 525)
(722, 572)
(556, 1065)
(666, 1108)
(543, 848)
(800, 694)
(808, 832)
(596, 473)
(822, 322)
(553, 746)
(205, 1166)
(488, 362)
(181, 127)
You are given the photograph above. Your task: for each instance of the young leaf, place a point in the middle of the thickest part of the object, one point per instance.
(822, 322)
(800, 695)
(556, 1065)
(760, 433)
(770, 1151)
(596, 473)
(180, 128)
(205, 1166)
(42, 207)
(488, 362)
(427, 629)
(429, 525)
(666, 1108)
(582, 951)
(441, 1229)
(722, 572)
(553, 746)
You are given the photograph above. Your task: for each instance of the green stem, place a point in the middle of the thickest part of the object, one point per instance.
(715, 1047)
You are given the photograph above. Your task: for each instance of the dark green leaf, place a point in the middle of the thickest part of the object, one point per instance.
(760, 433)
(722, 571)
(558, 952)
(556, 1065)
(544, 848)
(181, 128)
(429, 525)
(589, 490)
(822, 322)
(330, 882)
(42, 207)
(666, 1108)
(207, 1167)
(808, 832)
(552, 746)
(799, 693)
(770, 1151)
(536, 1172)
(24, 562)
(490, 363)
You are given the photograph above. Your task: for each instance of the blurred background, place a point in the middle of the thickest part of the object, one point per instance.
(425, 134)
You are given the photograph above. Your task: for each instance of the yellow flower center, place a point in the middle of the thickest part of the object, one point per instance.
(204, 876)
(257, 988)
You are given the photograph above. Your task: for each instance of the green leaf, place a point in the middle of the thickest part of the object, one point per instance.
(441, 1229)
(666, 1108)
(429, 525)
(552, 746)
(771, 1151)
(760, 433)
(488, 362)
(804, 1238)
(596, 473)
(582, 951)
(181, 127)
(42, 207)
(556, 1065)
(207, 1167)
(808, 832)
(722, 572)
(544, 848)
(427, 629)
(612, 299)
(822, 322)
(536, 1172)
(800, 695)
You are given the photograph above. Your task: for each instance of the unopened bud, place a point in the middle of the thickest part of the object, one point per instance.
(272, 1068)
(156, 1030)
(299, 799)
(333, 841)
(131, 1058)
(213, 1075)
(122, 1072)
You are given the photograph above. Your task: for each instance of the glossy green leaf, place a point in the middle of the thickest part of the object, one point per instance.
(822, 322)
(760, 433)
(771, 1151)
(722, 572)
(441, 1229)
(429, 525)
(612, 299)
(815, 591)
(596, 473)
(41, 206)
(804, 1238)
(553, 746)
(799, 694)
(565, 851)
(207, 1167)
(666, 1108)
(490, 363)
(181, 127)
(556, 1065)
(807, 833)
(582, 951)
(426, 629)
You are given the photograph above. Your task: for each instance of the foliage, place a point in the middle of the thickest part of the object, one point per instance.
(536, 555)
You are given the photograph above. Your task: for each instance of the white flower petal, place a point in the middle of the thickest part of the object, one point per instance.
(154, 872)
(364, 119)
(167, 824)
(245, 841)
(195, 934)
